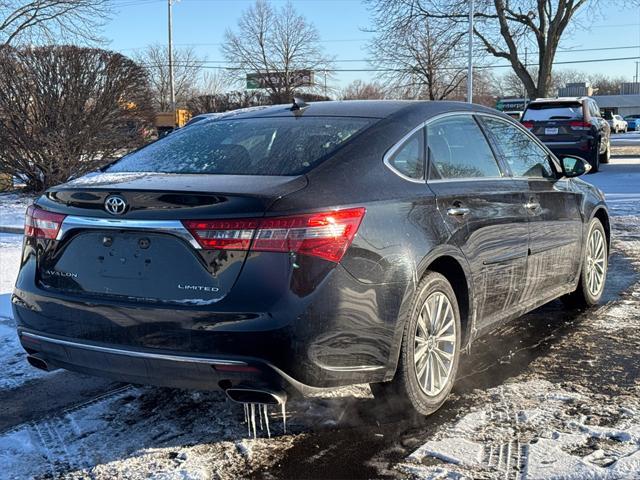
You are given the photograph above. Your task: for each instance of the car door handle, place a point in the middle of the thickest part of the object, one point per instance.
(458, 211)
(532, 205)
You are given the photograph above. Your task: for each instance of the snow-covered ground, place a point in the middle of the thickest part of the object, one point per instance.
(12, 209)
(554, 395)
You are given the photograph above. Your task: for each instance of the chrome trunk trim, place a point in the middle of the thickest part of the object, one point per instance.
(170, 227)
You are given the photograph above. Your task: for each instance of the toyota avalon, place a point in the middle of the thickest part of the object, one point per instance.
(295, 248)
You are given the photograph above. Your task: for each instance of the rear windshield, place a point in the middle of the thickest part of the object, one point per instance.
(553, 111)
(252, 146)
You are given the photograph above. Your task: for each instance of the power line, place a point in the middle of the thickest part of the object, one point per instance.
(389, 70)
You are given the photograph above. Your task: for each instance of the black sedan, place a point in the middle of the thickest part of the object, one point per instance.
(295, 248)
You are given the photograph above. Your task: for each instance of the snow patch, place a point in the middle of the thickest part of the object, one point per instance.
(531, 430)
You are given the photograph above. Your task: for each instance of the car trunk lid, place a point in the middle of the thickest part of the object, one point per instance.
(145, 253)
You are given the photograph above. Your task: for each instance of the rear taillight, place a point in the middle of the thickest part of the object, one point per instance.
(222, 234)
(579, 125)
(39, 223)
(326, 235)
(528, 125)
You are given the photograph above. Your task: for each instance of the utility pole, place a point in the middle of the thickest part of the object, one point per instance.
(470, 60)
(172, 91)
(524, 87)
(637, 79)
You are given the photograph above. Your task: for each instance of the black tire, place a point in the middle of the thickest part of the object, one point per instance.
(606, 156)
(582, 296)
(404, 393)
(594, 161)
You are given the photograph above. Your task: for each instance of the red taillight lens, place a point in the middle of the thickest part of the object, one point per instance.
(579, 125)
(326, 235)
(222, 234)
(528, 125)
(39, 223)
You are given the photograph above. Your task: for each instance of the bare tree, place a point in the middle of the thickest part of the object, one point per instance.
(51, 21)
(276, 45)
(186, 74)
(67, 110)
(605, 85)
(503, 27)
(423, 58)
(360, 90)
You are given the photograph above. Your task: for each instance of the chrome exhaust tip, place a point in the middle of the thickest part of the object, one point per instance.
(251, 395)
(39, 363)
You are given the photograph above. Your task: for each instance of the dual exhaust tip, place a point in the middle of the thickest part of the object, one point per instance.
(39, 363)
(250, 395)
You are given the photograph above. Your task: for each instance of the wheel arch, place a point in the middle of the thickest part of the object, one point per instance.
(452, 269)
(449, 262)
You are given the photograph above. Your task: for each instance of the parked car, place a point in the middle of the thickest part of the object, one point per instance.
(616, 122)
(570, 126)
(633, 122)
(291, 249)
(202, 116)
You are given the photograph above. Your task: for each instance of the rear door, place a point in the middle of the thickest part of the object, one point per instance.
(483, 210)
(555, 221)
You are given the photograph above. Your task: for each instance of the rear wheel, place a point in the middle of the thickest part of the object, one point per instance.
(606, 155)
(429, 353)
(595, 158)
(595, 261)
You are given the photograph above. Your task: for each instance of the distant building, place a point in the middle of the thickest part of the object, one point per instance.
(620, 104)
(576, 90)
(630, 88)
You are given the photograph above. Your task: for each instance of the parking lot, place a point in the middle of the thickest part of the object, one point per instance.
(553, 393)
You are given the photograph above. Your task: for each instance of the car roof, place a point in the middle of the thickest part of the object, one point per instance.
(558, 100)
(359, 108)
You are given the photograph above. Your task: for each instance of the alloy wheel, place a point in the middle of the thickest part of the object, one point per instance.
(596, 262)
(435, 343)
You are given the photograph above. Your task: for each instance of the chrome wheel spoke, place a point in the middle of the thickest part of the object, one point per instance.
(446, 338)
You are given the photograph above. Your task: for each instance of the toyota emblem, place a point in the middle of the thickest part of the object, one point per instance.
(115, 205)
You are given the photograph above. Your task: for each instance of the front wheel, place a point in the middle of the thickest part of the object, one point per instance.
(429, 352)
(593, 274)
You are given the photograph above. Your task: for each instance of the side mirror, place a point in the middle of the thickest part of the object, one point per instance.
(574, 166)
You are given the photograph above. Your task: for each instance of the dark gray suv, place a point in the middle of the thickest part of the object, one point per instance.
(570, 126)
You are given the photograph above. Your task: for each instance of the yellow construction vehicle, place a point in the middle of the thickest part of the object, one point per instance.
(166, 122)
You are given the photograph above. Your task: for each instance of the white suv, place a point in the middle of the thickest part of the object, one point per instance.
(617, 123)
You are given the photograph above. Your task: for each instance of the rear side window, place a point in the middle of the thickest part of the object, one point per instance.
(252, 146)
(524, 157)
(458, 149)
(409, 158)
(553, 111)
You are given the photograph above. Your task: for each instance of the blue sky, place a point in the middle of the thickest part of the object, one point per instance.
(341, 24)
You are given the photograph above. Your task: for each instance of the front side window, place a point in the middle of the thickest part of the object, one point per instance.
(522, 154)
(409, 158)
(458, 149)
(251, 146)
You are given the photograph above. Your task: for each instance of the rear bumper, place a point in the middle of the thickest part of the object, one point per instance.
(284, 335)
(164, 369)
(580, 148)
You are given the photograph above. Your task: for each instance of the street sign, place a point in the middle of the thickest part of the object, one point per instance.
(298, 78)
